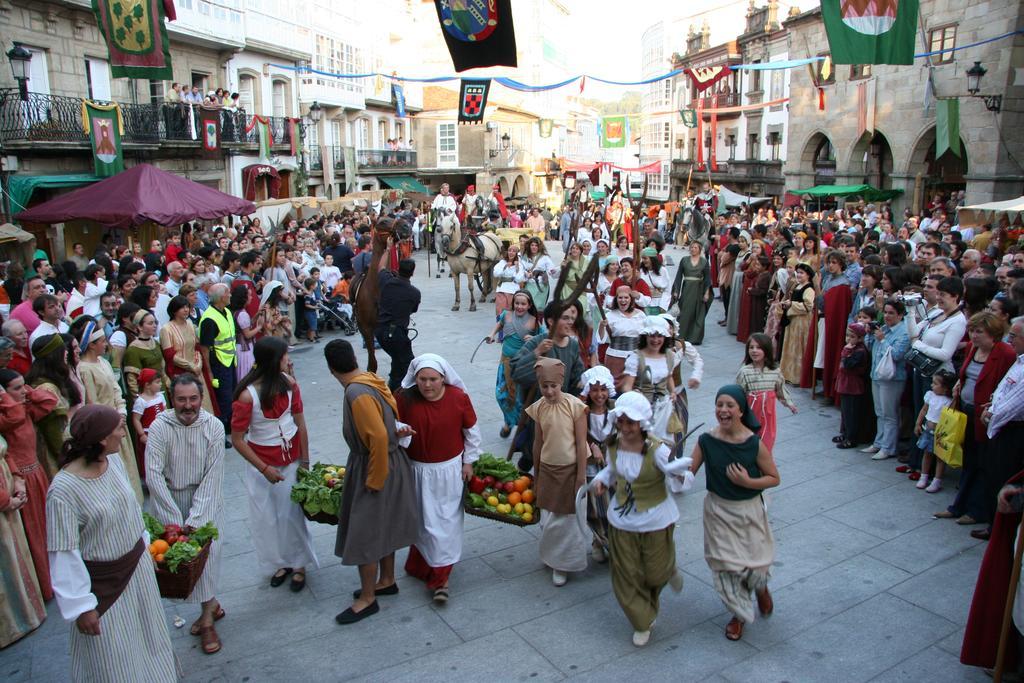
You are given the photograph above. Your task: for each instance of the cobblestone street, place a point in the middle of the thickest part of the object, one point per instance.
(867, 586)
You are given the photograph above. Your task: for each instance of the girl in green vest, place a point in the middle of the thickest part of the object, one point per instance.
(642, 514)
(738, 542)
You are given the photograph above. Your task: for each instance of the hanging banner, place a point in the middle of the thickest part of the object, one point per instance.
(262, 126)
(545, 127)
(327, 163)
(104, 126)
(473, 100)
(398, 94)
(478, 32)
(295, 136)
(713, 152)
(947, 126)
(136, 37)
(689, 117)
(746, 107)
(613, 132)
(209, 120)
(706, 76)
(866, 107)
(700, 134)
(870, 31)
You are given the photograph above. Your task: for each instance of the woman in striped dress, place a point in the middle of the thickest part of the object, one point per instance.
(22, 609)
(94, 529)
(185, 464)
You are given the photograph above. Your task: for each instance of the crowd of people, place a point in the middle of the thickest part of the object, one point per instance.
(154, 363)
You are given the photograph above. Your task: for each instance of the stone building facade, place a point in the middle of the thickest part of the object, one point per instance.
(832, 146)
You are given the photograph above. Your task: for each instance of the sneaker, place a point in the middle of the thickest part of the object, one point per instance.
(922, 483)
(935, 486)
(640, 638)
(881, 455)
(914, 476)
(558, 578)
(870, 449)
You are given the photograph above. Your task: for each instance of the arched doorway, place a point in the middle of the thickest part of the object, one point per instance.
(519, 187)
(503, 186)
(944, 175)
(872, 158)
(819, 159)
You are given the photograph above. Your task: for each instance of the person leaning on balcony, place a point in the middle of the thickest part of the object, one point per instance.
(173, 96)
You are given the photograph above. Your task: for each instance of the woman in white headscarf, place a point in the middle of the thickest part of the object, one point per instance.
(445, 443)
(277, 324)
(642, 513)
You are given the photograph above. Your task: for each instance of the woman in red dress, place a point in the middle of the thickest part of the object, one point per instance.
(20, 406)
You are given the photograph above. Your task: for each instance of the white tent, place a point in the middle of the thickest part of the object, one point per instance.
(730, 198)
(1011, 209)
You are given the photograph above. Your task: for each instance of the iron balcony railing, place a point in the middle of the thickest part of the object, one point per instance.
(54, 118)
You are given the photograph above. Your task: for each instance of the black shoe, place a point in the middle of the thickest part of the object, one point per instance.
(350, 617)
(389, 590)
(846, 444)
(297, 583)
(838, 439)
(278, 578)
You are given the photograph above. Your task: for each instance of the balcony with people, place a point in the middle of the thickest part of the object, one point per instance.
(41, 119)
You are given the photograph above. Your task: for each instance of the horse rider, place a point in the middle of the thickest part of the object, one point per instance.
(399, 299)
(442, 203)
(472, 204)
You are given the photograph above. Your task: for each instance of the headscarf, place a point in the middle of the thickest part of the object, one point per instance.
(55, 342)
(633, 405)
(649, 252)
(549, 370)
(434, 362)
(655, 324)
(139, 317)
(268, 289)
(859, 329)
(146, 375)
(90, 333)
(92, 423)
(597, 375)
(736, 393)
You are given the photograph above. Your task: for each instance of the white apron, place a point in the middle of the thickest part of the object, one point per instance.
(439, 489)
(279, 532)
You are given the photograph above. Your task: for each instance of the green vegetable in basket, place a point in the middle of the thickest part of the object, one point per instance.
(318, 489)
(488, 465)
(178, 553)
(207, 532)
(476, 500)
(153, 527)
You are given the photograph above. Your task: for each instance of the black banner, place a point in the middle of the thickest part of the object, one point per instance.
(473, 99)
(478, 32)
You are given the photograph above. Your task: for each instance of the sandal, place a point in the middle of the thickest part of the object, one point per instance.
(298, 582)
(441, 595)
(211, 641)
(278, 578)
(734, 629)
(217, 616)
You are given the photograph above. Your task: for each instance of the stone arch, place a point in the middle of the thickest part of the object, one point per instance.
(818, 158)
(503, 186)
(944, 174)
(286, 82)
(519, 188)
(871, 160)
(256, 85)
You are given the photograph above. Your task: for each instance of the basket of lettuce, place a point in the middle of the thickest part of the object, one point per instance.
(318, 491)
(180, 558)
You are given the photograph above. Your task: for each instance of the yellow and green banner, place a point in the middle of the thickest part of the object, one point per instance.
(136, 36)
(613, 132)
(262, 126)
(104, 126)
(947, 126)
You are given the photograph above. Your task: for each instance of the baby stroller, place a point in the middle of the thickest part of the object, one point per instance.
(336, 313)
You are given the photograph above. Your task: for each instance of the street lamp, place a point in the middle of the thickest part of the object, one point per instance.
(506, 140)
(993, 103)
(20, 58)
(315, 112)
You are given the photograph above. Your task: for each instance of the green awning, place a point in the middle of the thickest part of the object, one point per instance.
(405, 183)
(597, 194)
(21, 187)
(867, 192)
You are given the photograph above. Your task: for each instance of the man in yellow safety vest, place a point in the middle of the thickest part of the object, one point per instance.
(217, 346)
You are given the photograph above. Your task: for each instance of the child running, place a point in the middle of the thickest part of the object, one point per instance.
(763, 382)
(598, 389)
(934, 401)
(560, 444)
(516, 328)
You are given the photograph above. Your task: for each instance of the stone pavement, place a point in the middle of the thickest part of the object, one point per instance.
(867, 586)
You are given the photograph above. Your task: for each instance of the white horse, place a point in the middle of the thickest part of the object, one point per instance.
(465, 257)
(696, 225)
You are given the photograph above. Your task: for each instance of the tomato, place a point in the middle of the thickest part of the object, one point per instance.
(182, 539)
(490, 481)
(476, 485)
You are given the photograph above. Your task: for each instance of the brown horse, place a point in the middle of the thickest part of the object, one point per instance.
(367, 289)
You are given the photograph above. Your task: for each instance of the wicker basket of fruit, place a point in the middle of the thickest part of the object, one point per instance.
(180, 559)
(318, 491)
(498, 491)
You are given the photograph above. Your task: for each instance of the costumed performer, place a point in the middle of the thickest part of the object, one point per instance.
(642, 515)
(597, 392)
(738, 543)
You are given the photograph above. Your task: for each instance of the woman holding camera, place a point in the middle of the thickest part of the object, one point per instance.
(888, 345)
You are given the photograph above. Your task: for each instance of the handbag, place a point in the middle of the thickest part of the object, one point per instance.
(925, 365)
(886, 368)
(949, 436)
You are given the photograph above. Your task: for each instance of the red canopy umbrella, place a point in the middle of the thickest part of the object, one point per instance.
(139, 195)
